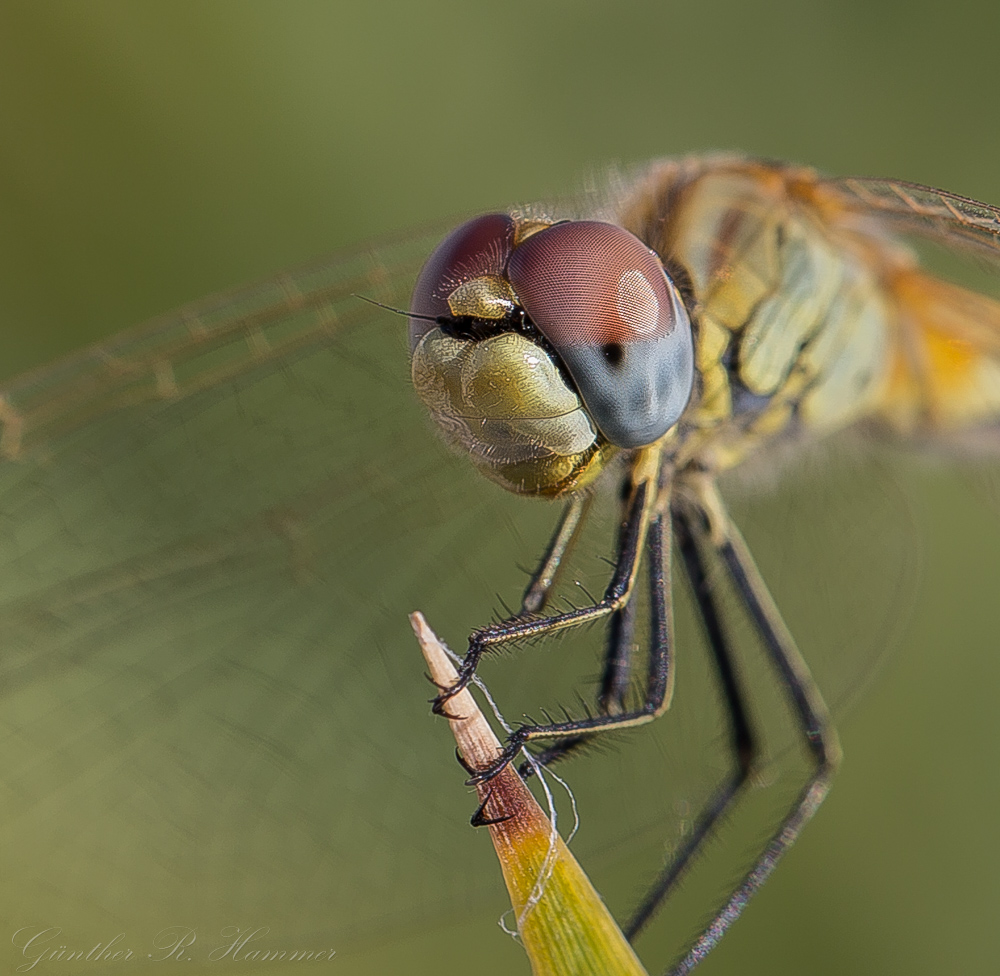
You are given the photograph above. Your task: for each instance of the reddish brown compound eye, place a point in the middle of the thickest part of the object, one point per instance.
(604, 302)
(479, 247)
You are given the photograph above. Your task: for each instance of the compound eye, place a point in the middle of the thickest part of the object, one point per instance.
(478, 248)
(604, 302)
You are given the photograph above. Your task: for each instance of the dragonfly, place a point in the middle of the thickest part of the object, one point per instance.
(208, 730)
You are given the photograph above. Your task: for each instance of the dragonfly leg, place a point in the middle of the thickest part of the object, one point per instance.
(659, 680)
(615, 679)
(743, 744)
(637, 515)
(808, 706)
(544, 577)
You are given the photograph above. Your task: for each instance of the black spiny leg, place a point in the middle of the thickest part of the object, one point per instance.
(741, 737)
(660, 672)
(544, 577)
(617, 673)
(811, 713)
(615, 678)
(616, 595)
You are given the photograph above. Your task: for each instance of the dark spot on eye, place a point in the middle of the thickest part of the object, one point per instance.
(613, 353)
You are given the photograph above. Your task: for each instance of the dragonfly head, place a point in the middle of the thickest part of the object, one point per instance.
(540, 349)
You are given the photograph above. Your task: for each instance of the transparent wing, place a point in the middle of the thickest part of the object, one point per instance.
(912, 208)
(211, 710)
(210, 342)
(946, 373)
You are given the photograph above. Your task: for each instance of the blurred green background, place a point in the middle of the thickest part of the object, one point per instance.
(151, 153)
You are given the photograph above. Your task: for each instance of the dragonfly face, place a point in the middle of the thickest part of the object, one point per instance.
(207, 567)
(584, 297)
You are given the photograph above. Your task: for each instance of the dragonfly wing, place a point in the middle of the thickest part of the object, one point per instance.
(208, 343)
(911, 208)
(212, 711)
(945, 374)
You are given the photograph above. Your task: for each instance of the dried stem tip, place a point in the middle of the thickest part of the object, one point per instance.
(564, 925)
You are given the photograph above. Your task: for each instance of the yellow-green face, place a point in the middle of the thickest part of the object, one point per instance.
(504, 402)
(502, 399)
